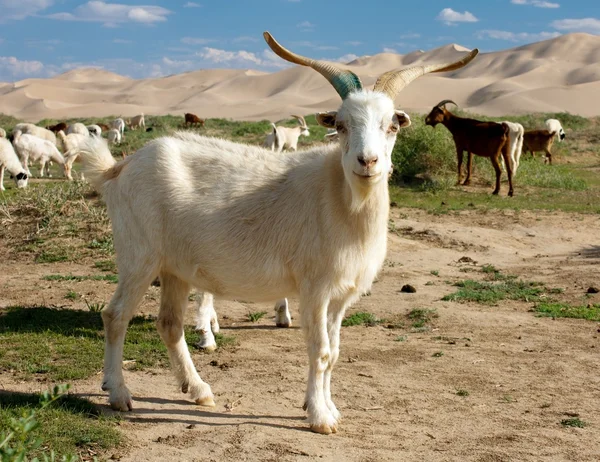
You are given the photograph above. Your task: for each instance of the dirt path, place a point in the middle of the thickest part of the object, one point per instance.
(523, 374)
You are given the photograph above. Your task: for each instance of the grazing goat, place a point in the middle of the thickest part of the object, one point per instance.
(77, 128)
(485, 139)
(104, 127)
(515, 142)
(119, 124)
(113, 136)
(554, 125)
(193, 119)
(73, 144)
(240, 221)
(286, 137)
(32, 129)
(539, 140)
(34, 149)
(10, 162)
(94, 130)
(136, 122)
(57, 127)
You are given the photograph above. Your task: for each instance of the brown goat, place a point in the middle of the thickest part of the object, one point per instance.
(193, 119)
(104, 127)
(539, 140)
(58, 127)
(485, 139)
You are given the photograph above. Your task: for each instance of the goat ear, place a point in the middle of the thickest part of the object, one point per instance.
(402, 118)
(326, 119)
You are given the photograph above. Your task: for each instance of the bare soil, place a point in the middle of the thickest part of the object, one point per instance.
(524, 374)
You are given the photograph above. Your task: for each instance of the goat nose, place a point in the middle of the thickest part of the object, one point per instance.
(367, 161)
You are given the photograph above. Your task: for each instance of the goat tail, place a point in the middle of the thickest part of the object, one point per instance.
(98, 162)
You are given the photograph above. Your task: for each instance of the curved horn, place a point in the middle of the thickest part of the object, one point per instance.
(391, 83)
(446, 101)
(300, 119)
(343, 81)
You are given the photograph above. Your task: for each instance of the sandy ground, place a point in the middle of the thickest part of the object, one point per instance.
(556, 75)
(523, 373)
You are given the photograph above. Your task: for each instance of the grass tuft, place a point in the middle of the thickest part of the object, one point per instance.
(573, 422)
(565, 310)
(489, 293)
(256, 315)
(361, 318)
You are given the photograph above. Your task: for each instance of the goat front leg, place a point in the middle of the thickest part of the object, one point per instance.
(548, 156)
(282, 313)
(509, 168)
(467, 181)
(459, 158)
(207, 322)
(313, 312)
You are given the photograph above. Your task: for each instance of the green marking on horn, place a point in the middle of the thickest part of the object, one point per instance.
(346, 83)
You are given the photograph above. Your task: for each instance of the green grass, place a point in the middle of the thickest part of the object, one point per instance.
(224, 341)
(72, 295)
(421, 317)
(438, 354)
(462, 393)
(256, 316)
(68, 425)
(112, 278)
(489, 293)
(573, 422)
(565, 310)
(360, 318)
(65, 344)
(108, 266)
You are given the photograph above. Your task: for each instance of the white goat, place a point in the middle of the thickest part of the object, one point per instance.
(94, 130)
(10, 162)
(554, 125)
(2, 133)
(113, 136)
(77, 128)
(207, 322)
(136, 122)
(286, 137)
(118, 124)
(73, 144)
(34, 149)
(515, 140)
(32, 129)
(240, 221)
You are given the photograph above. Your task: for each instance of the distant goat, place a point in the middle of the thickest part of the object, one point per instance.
(193, 119)
(10, 162)
(136, 122)
(34, 149)
(554, 125)
(539, 140)
(58, 127)
(73, 143)
(113, 136)
(485, 139)
(94, 130)
(78, 128)
(119, 124)
(286, 137)
(515, 141)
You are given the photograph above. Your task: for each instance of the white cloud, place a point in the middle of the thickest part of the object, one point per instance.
(20, 9)
(536, 3)
(451, 17)
(589, 25)
(390, 50)
(346, 58)
(12, 68)
(241, 58)
(112, 14)
(192, 5)
(196, 41)
(305, 26)
(516, 36)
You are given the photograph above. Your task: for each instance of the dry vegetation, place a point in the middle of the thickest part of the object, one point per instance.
(493, 358)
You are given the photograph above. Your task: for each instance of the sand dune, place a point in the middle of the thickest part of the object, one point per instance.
(561, 74)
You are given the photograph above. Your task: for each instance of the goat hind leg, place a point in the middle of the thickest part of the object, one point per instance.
(173, 302)
(282, 313)
(207, 322)
(467, 181)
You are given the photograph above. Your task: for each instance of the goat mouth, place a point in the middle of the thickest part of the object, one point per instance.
(368, 176)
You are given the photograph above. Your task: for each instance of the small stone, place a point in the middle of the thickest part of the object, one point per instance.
(214, 363)
(593, 290)
(407, 288)
(190, 426)
(466, 260)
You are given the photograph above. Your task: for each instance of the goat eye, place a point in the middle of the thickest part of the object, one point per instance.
(393, 128)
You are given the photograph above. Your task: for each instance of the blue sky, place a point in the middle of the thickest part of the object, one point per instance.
(146, 38)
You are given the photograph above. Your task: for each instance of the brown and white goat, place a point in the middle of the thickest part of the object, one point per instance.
(539, 140)
(58, 127)
(485, 139)
(136, 122)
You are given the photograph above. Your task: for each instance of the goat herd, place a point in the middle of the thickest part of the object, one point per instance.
(240, 222)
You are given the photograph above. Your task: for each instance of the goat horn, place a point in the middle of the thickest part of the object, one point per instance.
(446, 101)
(300, 119)
(344, 81)
(391, 83)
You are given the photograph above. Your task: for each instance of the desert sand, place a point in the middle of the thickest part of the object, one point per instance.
(561, 74)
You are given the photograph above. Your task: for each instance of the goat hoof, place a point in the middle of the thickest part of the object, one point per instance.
(323, 429)
(510, 194)
(207, 402)
(495, 193)
(209, 347)
(283, 324)
(466, 182)
(305, 406)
